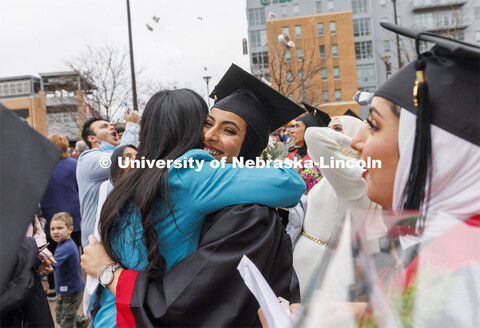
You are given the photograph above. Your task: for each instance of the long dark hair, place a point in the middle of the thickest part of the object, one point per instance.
(172, 124)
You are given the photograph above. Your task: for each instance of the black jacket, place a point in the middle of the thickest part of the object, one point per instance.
(23, 300)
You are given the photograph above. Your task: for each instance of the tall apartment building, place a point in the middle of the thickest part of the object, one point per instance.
(320, 69)
(375, 48)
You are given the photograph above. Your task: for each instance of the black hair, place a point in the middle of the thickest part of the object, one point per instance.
(115, 170)
(87, 131)
(171, 124)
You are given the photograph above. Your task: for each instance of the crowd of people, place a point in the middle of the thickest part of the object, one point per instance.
(161, 245)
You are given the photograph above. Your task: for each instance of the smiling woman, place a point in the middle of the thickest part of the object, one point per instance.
(223, 134)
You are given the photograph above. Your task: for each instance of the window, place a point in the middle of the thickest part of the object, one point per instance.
(363, 50)
(290, 96)
(256, 16)
(288, 56)
(384, 20)
(299, 54)
(260, 59)
(336, 73)
(66, 118)
(324, 74)
(461, 36)
(322, 51)
(258, 38)
(285, 30)
(383, 3)
(338, 95)
(386, 46)
(399, 20)
(425, 21)
(296, 10)
(334, 50)
(284, 11)
(301, 76)
(333, 28)
(298, 31)
(365, 73)
(477, 12)
(289, 77)
(325, 96)
(303, 96)
(331, 6)
(318, 6)
(360, 6)
(15, 88)
(477, 37)
(361, 27)
(320, 29)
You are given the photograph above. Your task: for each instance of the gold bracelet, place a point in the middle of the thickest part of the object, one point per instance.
(315, 239)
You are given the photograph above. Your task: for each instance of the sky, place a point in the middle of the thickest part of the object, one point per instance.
(38, 36)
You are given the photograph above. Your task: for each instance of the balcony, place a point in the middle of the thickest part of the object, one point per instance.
(418, 5)
(441, 25)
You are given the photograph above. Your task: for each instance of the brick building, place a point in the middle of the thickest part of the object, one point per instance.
(320, 68)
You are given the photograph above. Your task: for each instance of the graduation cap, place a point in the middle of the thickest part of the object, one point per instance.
(350, 112)
(315, 117)
(442, 88)
(27, 162)
(262, 107)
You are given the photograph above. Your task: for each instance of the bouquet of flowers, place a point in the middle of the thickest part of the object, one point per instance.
(311, 176)
(275, 150)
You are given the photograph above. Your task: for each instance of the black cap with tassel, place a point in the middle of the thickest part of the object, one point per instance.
(441, 88)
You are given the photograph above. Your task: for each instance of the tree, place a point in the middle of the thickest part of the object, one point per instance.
(106, 67)
(295, 72)
(295, 76)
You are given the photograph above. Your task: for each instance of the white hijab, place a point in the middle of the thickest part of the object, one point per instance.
(351, 126)
(455, 182)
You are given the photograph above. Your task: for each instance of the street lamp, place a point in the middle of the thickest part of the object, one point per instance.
(132, 67)
(207, 79)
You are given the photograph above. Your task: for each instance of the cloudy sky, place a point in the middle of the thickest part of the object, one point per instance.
(38, 36)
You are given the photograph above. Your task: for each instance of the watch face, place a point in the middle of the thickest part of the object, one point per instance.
(106, 277)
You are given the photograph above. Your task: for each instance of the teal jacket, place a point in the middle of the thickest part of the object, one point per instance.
(193, 195)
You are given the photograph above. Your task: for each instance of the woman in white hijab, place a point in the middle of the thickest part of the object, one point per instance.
(340, 189)
(428, 142)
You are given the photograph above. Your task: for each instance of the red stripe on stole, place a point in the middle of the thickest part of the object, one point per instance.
(125, 286)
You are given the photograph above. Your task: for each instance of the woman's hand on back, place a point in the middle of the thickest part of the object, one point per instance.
(94, 257)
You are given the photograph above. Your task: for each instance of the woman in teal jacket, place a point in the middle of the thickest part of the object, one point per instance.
(153, 217)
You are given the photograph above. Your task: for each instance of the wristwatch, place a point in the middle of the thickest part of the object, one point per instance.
(105, 277)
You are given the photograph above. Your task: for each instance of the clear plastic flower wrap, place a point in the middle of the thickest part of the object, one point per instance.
(398, 270)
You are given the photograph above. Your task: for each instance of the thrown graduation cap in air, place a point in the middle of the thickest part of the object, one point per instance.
(441, 88)
(315, 117)
(263, 108)
(350, 112)
(27, 162)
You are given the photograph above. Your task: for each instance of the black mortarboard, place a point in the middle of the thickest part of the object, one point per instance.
(315, 117)
(442, 88)
(350, 112)
(262, 107)
(27, 162)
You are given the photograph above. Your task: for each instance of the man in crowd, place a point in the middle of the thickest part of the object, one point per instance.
(94, 165)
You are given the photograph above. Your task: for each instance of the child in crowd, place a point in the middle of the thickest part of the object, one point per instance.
(68, 276)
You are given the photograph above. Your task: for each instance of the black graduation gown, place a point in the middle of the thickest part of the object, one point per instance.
(23, 300)
(205, 289)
